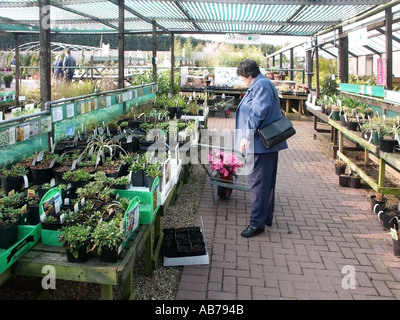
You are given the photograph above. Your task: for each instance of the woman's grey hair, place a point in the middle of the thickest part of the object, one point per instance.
(248, 68)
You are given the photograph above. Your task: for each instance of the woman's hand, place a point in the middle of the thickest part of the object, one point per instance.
(243, 144)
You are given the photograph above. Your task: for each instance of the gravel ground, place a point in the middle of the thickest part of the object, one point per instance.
(162, 285)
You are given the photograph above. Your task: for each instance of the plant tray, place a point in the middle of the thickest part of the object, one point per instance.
(28, 235)
(184, 246)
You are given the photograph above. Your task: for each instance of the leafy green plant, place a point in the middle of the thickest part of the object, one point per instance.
(154, 170)
(74, 237)
(107, 234)
(15, 170)
(329, 86)
(13, 200)
(8, 77)
(76, 175)
(9, 215)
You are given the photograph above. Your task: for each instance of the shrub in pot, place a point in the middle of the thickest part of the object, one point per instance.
(12, 177)
(76, 241)
(107, 238)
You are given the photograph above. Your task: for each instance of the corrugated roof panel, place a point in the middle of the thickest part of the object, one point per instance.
(330, 13)
(238, 11)
(290, 17)
(303, 30)
(156, 9)
(138, 26)
(243, 27)
(178, 25)
(102, 10)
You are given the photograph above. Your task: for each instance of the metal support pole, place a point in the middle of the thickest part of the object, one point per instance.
(45, 52)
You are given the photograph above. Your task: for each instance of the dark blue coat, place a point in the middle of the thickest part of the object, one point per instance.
(259, 107)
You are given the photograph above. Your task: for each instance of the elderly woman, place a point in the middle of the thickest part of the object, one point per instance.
(259, 107)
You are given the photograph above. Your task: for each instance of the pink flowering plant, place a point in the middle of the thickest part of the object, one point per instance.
(223, 162)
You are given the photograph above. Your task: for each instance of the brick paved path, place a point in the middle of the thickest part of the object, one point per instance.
(319, 229)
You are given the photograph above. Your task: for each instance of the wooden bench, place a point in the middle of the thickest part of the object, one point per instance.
(93, 270)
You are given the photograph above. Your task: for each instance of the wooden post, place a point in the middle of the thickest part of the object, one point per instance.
(121, 44)
(343, 60)
(17, 76)
(45, 52)
(316, 69)
(154, 58)
(291, 64)
(389, 48)
(172, 63)
(309, 68)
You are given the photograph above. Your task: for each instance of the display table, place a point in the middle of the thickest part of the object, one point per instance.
(297, 98)
(105, 274)
(383, 158)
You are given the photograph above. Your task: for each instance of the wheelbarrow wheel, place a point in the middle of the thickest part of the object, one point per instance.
(224, 193)
(227, 112)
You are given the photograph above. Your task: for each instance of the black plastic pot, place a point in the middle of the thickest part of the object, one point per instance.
(344, 180)
(8, 235)
(353, 126)
(355, 182)
(396, 247)
(82, 254)
(387, 145)
(376, 205)
(340, 169)
(12, 183)
(388, 221)
(109, 255)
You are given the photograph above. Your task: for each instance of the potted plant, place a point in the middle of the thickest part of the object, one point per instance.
(76, 241)
(8, 78)
(12, 177)
(107, 238)
(370, 130)
(152, 172)
(42, 167)
(121, 183)
(9, 219)
(340, 166)
(389, 218)
(77, 178)
(226, 165)
(137, 168)
(354, 180)
(388, 133)
(336, 113)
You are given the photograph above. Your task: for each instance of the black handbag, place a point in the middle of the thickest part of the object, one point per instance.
(276, 132)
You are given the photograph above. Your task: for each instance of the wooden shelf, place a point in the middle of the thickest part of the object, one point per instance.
(384, 158)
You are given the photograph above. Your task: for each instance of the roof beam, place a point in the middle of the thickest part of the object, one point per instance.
(85, 15)
(372, 50)
(186, 15)
(141, 16)
(383, 32)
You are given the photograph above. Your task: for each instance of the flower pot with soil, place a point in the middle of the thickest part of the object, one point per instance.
(76, 241)
(12, 178)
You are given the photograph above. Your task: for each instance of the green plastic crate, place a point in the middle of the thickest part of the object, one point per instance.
(28, 235)
(150, 201)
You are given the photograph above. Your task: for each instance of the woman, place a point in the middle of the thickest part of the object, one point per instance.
(259, 107)
(58, 68)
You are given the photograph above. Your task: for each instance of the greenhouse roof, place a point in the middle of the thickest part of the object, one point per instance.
(272, 17)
